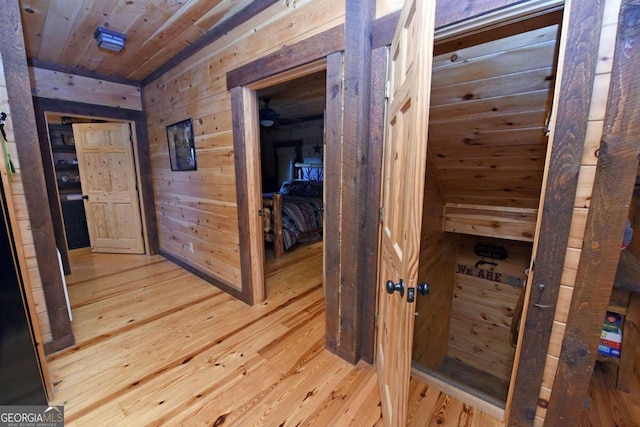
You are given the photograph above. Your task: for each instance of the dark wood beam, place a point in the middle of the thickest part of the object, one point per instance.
(24, 127)
(608, 213)
(332, 196)
(48, 169)
(582, 40)
(358, 34)
(242, 195)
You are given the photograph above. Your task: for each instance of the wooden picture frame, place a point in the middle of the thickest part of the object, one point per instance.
(182, 151)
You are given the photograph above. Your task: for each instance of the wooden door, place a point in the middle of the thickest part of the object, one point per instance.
(404, 165)
(108, 179)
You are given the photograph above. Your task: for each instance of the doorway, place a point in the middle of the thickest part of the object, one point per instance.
(486, 154)
(71, 150)
(273, 113)
(291, 120)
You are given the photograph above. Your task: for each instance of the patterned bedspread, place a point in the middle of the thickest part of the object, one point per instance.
(300, 215)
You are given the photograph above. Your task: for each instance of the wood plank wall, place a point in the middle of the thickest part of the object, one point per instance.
(582, 201)
(21, 224)
(437, 266)
(71, 87)
(484, 299)
(200, 207)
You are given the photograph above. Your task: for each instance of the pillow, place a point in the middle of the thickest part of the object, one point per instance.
(293, 187)
(313, 189)
(301, 188)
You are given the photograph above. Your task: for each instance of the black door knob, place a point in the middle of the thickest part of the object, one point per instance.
(392, 287)
(423, 289)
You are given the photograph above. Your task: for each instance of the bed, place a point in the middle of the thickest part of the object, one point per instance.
(295, 213)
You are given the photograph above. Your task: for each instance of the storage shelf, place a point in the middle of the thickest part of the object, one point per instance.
(65, 185)
(63, 148)
(66, 167)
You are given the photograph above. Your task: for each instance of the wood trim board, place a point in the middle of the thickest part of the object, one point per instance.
(371, 231)
(333, 178)
(24, 125)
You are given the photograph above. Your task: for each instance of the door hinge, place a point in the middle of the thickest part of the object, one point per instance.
(376, 320)
(381, 213)
(387, 89)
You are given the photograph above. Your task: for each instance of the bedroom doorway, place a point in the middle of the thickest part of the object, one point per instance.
(275, 108)
(291, 124)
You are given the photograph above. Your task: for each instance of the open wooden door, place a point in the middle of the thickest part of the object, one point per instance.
(108, 179)
(404, 165)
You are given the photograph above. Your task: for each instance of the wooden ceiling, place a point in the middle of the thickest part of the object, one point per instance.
(489, 108)
(61, 31)
(490, 102)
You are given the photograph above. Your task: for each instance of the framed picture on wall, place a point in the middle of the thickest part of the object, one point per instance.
(182, 150)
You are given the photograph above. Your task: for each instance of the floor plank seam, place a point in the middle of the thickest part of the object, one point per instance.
(174, 364)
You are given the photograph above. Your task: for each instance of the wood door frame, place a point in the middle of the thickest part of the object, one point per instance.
(350, 326)
(247, 158)
(42, 106)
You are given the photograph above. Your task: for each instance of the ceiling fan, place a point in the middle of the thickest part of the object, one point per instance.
(269, 117)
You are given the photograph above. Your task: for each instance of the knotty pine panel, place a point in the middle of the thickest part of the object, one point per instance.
(219, 211)
(71, 87)
(199, 218)
(479, 152)
(490, 138)
(497, 47)
(215, 240)
(490, 100)
(493, 87)
(478, 108)
(196, 88)
(499, 121)
(511, 61)
(483, 302)
(437, 257)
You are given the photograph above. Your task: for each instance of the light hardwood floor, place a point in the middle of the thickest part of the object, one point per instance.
(156, 345)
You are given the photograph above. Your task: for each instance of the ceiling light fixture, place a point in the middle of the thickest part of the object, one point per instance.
(109, 39)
